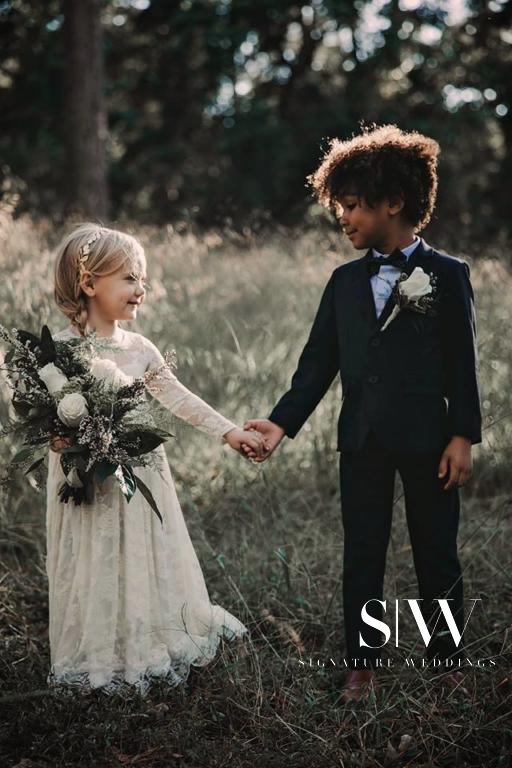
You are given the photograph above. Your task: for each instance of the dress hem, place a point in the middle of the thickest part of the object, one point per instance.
(171, 674)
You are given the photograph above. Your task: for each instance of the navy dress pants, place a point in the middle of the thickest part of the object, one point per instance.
(367, 480)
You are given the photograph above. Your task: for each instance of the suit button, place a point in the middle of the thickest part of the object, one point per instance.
(373, 379)
(375, 342)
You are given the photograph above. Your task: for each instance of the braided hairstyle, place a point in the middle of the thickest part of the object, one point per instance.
(92, 248)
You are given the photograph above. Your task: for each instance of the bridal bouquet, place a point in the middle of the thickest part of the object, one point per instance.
(64, 391)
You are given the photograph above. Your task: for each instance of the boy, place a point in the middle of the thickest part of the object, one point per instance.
(409, 378)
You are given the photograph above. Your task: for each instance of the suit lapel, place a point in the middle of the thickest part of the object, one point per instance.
(363, 291)
(419, 257)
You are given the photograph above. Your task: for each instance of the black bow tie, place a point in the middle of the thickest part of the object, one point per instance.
(395, 259)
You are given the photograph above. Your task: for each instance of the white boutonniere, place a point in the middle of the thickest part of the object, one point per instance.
(415, 291)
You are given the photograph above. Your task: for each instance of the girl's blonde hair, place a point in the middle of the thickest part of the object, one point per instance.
(92, 248)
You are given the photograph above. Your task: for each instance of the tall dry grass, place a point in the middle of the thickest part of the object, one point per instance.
(237, 309)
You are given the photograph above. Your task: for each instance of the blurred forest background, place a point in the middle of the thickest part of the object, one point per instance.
(214, 111)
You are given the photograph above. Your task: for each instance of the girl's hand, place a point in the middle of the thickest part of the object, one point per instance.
(272, 435)
(245, 441)
(58, 444)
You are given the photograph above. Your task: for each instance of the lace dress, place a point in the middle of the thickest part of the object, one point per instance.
(128, 602)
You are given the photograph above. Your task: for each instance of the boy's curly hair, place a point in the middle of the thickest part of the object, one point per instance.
(383, 162)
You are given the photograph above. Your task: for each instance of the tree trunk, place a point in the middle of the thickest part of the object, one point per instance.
(85, 118)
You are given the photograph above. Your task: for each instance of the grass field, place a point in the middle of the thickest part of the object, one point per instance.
(237, 310)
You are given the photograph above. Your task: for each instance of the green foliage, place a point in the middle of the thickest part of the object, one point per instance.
(218, 111)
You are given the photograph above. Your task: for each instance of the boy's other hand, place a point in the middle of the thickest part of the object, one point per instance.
(457, 462)
(272, 433)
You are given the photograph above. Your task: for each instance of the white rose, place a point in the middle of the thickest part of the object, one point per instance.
(416, 285)
(72, 408)
(109, 373)
(53, 378)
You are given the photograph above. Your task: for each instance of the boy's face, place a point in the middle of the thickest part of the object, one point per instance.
(364, 226)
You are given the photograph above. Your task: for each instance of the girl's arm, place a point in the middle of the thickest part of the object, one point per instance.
(183, 403)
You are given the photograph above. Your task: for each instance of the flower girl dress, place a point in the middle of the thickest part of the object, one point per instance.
(128, 602)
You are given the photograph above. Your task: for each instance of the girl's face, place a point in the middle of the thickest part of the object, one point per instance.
(119, 295)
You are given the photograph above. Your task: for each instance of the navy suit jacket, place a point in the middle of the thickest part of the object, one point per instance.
(414, 383)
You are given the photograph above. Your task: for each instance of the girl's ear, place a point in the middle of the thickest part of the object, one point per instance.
(87, 283)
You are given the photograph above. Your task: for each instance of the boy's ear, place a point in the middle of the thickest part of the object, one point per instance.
(395, 205)
(87, 283)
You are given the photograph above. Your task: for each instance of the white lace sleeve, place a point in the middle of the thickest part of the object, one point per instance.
(181, 401)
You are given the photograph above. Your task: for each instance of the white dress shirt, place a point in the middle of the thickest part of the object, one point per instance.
(384, 281)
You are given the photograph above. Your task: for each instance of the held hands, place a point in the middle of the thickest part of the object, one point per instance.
(456, 460)
(249, 444)
(272, 434)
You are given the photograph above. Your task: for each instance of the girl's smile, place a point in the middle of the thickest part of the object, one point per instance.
(117, 296)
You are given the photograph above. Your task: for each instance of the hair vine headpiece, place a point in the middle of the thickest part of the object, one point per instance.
(85, 249)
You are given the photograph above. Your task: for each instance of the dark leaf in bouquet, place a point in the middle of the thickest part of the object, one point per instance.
(47, 346)
(129, 390)
(9, 355)
(65, 492)
(75, 449)
(88, 491)
(121, 407)
(69, 462)
(35, 465)
(41, 440)
(69, 492)
(66, 464)
(104, 469)
(41, 416)
(21, 407)
(23, 455)
(126, 480)
(146, 441)
(148, 496)
(34, 343)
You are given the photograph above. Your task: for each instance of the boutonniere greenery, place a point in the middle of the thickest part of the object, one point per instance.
(416, 292)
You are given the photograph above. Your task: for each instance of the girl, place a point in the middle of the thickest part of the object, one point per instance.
(127, 598)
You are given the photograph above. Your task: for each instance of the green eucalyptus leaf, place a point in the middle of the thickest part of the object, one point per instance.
(23, 455)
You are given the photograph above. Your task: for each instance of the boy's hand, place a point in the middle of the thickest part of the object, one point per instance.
(457, 461)
(250, 444)
(272, 433)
